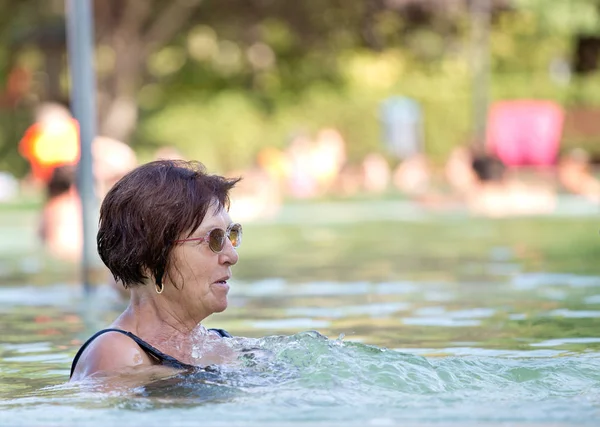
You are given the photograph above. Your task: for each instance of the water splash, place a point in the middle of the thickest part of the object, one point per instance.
(308, 377)
(310, 366)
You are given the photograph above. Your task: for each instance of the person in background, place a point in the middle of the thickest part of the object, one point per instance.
(376, 173)
(51, 141)
(327, 158)
(112, 159)
(413, 176)
(60, 228)
(480, 183)
(166, 235)
(51, 145)
(301, 182)
(574, 174)
(257, 197)
(458, 171)
(495, 195)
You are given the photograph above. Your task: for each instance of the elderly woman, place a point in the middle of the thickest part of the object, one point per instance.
(165, 234)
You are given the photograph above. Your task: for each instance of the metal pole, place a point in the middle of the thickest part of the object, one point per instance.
(80, 42)
(481, 11)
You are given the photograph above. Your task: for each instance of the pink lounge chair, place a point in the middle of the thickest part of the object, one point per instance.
(525, 132)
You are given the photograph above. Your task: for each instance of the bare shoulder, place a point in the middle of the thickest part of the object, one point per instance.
(110, 352)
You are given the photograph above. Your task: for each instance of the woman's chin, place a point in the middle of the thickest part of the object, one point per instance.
(220, 305)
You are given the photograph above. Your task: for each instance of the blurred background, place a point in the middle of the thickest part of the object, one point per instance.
(234, 84)
(222, 82)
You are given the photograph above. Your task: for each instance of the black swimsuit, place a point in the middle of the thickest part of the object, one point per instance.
(153, 352)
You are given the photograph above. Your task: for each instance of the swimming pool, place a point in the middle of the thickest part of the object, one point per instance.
(379, 322)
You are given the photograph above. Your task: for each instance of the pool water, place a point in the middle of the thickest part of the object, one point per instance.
(423, 321)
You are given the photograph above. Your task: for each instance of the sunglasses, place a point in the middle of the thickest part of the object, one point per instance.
(216, 238)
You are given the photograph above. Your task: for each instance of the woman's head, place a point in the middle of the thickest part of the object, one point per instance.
(150, 208)
(61, 181)
(488, 168)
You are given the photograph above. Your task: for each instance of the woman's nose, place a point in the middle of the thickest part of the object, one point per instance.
(229, 254)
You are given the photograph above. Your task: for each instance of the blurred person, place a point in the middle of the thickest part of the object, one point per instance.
(301, 181)
(349, 181)
(376, 173)
(480, 183)
(328, 157)
(275, 163)
(50, 142)
(166, 235)
(495, 195)
(459, 172)
(258, 196)
(112, 159)
(60, 228)
(574, 174)
(51, 145)
(53, 141)
(413, 175)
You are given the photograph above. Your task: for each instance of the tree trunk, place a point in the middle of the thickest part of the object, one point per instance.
(133, 29)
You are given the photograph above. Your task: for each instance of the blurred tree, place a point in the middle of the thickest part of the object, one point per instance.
(274, 51)
(222, 78)
(128, 32)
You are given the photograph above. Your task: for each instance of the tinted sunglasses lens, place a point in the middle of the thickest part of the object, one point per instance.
(216, 240)
(235, 235)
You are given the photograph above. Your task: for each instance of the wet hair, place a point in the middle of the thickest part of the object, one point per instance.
(488, 168)
(61, 181)
(151, 207)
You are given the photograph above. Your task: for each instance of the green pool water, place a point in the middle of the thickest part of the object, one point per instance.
(352, 314)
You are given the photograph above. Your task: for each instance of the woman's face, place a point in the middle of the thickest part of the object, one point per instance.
(200, 274)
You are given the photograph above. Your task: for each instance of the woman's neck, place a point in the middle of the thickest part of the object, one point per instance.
(154, 318)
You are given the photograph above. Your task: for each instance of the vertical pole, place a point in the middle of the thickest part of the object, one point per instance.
(80, 43)
(481, 11)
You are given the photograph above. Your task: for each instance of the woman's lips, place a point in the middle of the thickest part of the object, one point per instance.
(222, 284)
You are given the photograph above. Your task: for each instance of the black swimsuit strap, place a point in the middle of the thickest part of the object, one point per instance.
(159, 356)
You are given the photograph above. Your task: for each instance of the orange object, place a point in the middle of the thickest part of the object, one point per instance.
(49, 145)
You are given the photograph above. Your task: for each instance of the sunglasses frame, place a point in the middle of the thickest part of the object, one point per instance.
(227, 235)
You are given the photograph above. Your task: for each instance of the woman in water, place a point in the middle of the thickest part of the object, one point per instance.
(166, 235)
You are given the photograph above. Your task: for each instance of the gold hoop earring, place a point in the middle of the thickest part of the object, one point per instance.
(159, 287)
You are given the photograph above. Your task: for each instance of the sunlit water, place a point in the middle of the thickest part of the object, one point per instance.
(490, 345)
(454, 370)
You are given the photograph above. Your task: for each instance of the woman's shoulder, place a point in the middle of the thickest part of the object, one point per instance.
(110, 351)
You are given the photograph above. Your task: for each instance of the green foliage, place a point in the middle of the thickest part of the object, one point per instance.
(240, 76)
(344, 87)
(562, 17)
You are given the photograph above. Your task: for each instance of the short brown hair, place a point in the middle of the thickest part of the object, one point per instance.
(151, 207)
